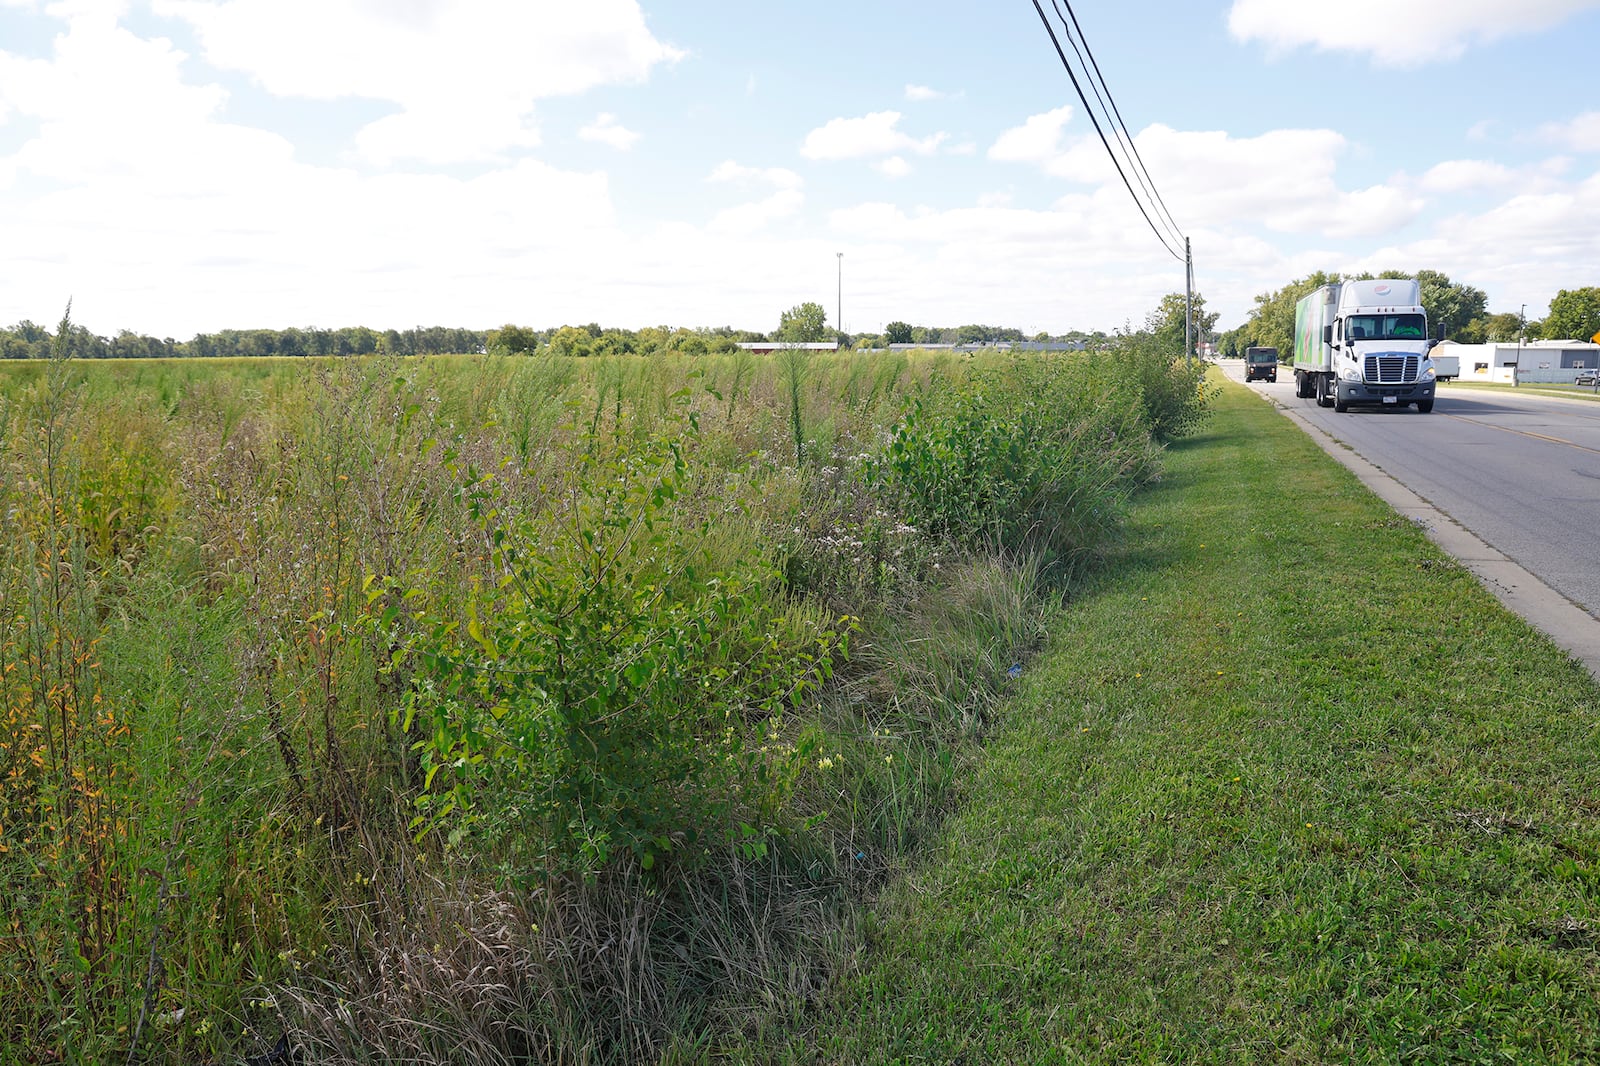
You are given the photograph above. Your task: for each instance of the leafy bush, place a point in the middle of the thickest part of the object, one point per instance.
(1026, 456)
(612, 687)
(1171, 391)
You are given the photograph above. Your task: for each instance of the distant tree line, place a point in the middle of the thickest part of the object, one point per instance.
(905, 333)
(28, 340)
(805, 322)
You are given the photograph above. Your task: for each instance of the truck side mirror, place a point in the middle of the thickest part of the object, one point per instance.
(1432, 342)
(1327, 334)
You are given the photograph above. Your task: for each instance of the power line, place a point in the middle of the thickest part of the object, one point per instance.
(1125, 138)
(1093, 119)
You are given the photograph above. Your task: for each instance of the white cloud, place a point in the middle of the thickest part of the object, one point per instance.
(1036, 140)
(1283, 179)
(1581, 134)
(780, 177)
(606, 130)
(746, 219)
(893, 167)
(1524, 248)
(1406, 34)
(1466, 175)
(869, 135)
(149, 208)
(114, 106)
(919, 93)
(465, 73)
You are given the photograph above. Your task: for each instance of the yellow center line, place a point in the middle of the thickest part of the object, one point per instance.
(1526, 433)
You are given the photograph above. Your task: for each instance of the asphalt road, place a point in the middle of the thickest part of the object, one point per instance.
(1520, 471)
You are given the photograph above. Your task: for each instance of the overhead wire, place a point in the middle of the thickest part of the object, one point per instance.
(1097, 83)
(1139, 203)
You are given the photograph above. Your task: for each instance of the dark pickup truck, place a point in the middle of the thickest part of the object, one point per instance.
(1261, 363)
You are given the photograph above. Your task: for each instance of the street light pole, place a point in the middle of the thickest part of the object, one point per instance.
(840, 304)
(1522, 317)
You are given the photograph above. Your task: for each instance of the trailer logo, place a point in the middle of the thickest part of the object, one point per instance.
(1381, 290)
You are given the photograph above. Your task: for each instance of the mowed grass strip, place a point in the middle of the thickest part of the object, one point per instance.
(1286, 786)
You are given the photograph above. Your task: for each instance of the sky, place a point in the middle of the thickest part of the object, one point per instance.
(182, 166)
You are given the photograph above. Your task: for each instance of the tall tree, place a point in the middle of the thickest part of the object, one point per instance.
(1492, 329)
(512, 339)
(1574, 314)
(1166, 322)
(571, 340)
(1451, 307)
(897, 333)
(806, 323)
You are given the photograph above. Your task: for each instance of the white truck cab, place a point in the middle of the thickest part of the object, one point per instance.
(1364, 343)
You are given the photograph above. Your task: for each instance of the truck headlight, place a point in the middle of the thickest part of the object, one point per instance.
(1350, 373)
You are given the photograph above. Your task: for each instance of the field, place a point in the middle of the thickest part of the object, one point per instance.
(507, 708)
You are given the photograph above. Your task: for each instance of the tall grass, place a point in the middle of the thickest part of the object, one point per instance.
(502, 706)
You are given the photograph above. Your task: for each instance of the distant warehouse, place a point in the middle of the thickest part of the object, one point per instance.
(996, 346)
(1546, 362)
(767, 347)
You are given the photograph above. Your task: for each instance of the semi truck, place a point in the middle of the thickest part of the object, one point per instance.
(1364, 343)
(1261, 363)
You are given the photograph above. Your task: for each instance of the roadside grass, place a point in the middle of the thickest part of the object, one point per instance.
(1581, 392)
(1286, 785)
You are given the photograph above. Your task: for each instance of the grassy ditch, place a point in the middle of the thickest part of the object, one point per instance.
(1286, 786)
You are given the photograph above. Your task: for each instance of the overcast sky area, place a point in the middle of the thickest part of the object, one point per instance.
(178, 166)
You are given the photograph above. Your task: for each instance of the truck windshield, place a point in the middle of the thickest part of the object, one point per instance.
(1385, 327)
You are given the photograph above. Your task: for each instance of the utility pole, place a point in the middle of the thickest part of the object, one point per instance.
(840, 304)
(1188, 303)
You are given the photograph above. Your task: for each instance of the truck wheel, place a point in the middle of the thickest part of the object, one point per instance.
(1339, 405)
(1424, 406)
(1322, 392)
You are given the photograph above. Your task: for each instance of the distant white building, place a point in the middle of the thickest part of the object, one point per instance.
(1550, 362)
(998, 346)
(767, 347)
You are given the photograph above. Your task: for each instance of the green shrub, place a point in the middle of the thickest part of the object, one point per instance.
(1172, 392)
(1029, 455)
(613, 689)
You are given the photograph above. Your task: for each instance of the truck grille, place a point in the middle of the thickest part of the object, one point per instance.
(1391, 369)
